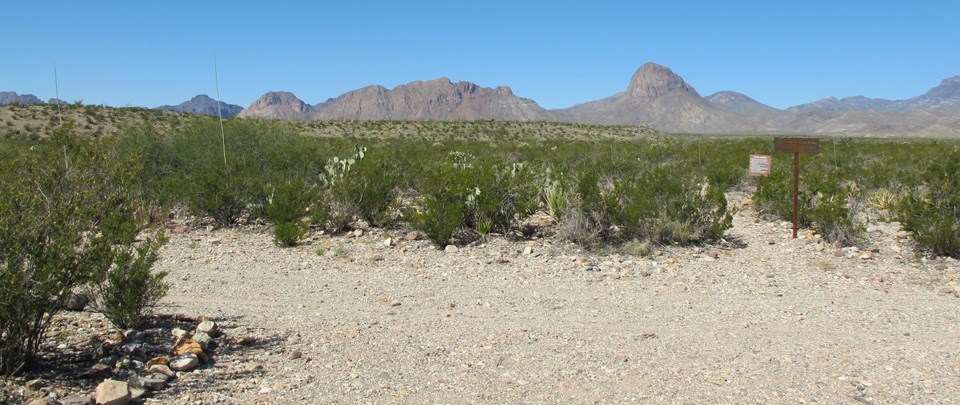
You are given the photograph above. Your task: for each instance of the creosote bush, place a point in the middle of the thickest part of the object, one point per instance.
(67, 215)
(932, 211)
(129, 290)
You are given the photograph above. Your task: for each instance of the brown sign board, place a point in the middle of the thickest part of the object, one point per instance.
(810, 146)
(760, 165)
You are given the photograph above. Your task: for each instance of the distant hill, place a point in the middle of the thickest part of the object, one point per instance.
(9, 97)
(438, 99)
(659, 98)
(280, 105)
(203, 105)
(655, 97)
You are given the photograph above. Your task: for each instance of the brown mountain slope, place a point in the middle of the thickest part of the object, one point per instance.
(659, 98)
(437, 99)
(278, 105)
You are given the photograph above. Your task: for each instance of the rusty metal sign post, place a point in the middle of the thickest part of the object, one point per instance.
(807, 146)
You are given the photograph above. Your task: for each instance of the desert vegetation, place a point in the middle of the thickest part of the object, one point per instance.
(76, 208)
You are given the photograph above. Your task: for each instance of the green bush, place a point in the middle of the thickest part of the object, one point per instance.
(932, 212)
(663, 207)
(130, 290)
(288, 233)
(286, 207)
(443, 204)
(60, 232)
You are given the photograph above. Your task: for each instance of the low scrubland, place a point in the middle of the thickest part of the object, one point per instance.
(77, 211)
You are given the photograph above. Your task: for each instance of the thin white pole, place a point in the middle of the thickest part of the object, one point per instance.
(56, 92)
(223, 137)
(56, 89)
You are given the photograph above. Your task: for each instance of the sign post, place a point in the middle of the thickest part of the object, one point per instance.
(808, 146)
(760, 166)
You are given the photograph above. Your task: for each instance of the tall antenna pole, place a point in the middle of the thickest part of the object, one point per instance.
(56, 89)
(223, 137)
(56, 92)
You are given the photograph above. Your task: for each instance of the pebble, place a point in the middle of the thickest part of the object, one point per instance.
(296, 354)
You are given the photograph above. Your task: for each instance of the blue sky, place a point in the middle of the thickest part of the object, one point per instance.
(558, 53)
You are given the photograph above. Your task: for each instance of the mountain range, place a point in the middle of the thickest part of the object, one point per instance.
(203, 105)
(655, 96)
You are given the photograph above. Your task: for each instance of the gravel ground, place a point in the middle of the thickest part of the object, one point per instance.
(348, 319)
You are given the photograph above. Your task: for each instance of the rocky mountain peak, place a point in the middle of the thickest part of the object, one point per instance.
(652, 80)
(277, 104)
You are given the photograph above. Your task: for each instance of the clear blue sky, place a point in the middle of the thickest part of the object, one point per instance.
(556, 52)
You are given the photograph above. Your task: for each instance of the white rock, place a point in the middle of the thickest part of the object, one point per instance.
(184, 362)
(208, 327)
(112, 392)
(527, 250)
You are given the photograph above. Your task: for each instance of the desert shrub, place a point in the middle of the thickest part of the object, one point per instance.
(58, 208)
(288, 233)
(501, 194)
(367, 191)
(932, 211)
(828, 202)
(442, 210)
(663, 207)
(286, 207)
(129, 290)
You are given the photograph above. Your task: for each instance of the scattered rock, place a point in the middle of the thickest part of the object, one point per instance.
(162, 360)
(77, 302)
(187, 345)
(208, 327)
(245, 340)
(112, 392)
(184, 362)
(203, 339)
(98, 371)
(451, 249)
(36, 385)
(296, 354)
(78, 400)
(154, 381)
(162, 369)
(137, 390)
